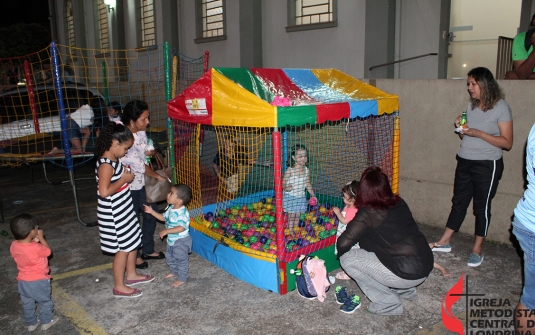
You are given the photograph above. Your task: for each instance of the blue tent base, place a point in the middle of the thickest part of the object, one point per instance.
(257, 272)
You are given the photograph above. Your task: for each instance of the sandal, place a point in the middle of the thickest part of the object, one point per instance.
(342, 276)
(147, 279)
(134, 294)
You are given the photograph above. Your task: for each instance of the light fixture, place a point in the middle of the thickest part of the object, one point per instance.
(110, 4)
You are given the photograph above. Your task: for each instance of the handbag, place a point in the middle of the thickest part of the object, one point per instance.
(155, 190)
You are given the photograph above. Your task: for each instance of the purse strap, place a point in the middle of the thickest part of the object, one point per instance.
(159, 163)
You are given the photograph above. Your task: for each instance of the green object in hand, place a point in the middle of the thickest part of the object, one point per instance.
(463, 118)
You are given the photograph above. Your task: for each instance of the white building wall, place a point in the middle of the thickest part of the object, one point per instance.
(224, 53)
(130, 25)
(419, 33)
(341, 47)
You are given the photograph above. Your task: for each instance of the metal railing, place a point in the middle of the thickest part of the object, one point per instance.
(403, 60)
(504, 61)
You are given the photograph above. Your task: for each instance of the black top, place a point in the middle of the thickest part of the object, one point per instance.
(394, 237)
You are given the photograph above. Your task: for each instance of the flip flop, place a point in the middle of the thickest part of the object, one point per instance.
(134, 294)
(342, 276)
(147, 279)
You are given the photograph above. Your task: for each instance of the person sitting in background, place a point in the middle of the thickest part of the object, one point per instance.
(114, 111)
(522, 54)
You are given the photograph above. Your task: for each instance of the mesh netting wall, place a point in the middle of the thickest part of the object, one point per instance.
(234, 169)
(30, 118)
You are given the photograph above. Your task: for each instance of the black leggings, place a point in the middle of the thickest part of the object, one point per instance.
(476, 179)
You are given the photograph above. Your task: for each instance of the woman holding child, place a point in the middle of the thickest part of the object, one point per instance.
(394, 256)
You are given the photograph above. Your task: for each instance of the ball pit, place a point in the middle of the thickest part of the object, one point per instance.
(253, 225)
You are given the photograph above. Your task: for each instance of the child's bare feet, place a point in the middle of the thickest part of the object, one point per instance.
(54, 151)
(169, 276)
(342, 276)
(177, 283)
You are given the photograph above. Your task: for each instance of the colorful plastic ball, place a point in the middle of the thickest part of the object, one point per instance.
(299, 242)
(312, 201)
(263, 200)
(271, 219)
(332, 232)
(239, 239)
(328, 226)
(246, 244)
(305, 243)
(273, 230)
(253, 239)
(215, 225)
(263, 239)
(272, 251)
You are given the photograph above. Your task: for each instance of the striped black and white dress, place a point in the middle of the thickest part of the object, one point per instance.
(118, 224)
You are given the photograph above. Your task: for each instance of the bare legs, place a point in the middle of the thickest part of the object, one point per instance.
(121, 262)
(293, 220)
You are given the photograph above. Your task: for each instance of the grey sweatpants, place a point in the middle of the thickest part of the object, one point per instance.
(177, 257)
(384, 289)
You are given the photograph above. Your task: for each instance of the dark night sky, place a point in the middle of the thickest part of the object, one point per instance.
(24, 11)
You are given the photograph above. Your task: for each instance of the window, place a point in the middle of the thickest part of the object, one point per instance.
(210, 20)
(311, 14)
(69, 20)
(148, 27)
(102, 24)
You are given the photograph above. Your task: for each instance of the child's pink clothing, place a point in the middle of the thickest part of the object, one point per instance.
(348, 213)
(31, 259)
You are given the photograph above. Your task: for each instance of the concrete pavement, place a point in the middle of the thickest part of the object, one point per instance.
(214, 302)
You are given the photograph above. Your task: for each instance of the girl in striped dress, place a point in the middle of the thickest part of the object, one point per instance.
(119, 229)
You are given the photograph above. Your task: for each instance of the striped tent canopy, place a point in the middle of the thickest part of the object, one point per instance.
(259, 97)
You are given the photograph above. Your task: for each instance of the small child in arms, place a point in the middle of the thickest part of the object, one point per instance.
(179, 242)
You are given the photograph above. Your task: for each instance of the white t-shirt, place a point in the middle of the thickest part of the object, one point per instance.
(525, 209)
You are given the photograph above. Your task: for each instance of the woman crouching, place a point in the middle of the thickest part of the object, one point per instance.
(394, 256)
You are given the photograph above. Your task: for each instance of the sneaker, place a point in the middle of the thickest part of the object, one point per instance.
(475, 260)
(441, 248)
(341, 295)
(34, 327)
(50, 324)
(352, 304)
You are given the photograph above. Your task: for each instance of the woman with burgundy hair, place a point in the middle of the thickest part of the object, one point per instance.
(394, 256)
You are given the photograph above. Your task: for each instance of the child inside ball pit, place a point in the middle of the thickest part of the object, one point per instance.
(296, 180)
